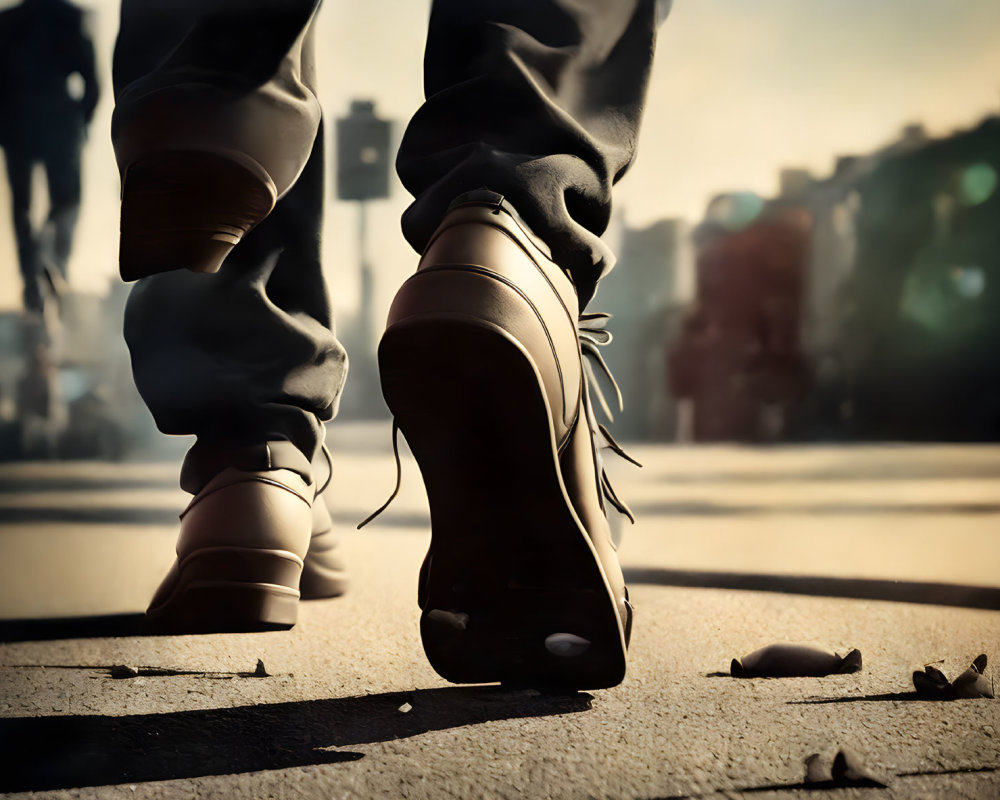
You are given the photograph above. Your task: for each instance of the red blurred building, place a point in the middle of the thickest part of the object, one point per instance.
(739, 356)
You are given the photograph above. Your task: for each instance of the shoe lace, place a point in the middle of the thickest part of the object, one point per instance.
(399, 478)
(592, 333)
(329, 473)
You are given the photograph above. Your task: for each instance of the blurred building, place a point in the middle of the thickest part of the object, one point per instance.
(644, 295)
(857, 306)
(834, 204)
(738, 359)
(921, 330)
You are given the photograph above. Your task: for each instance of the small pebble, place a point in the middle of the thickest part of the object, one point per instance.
(817, 771)
(406, 708)
(121, 671)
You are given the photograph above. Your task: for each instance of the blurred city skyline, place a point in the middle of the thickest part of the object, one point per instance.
(739, 91)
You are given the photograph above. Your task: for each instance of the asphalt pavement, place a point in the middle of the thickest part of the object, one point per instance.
(894, 550)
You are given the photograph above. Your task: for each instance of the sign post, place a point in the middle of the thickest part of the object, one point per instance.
(363, 156)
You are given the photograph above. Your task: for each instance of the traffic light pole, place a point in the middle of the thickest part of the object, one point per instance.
(366, 312)
(363, 155)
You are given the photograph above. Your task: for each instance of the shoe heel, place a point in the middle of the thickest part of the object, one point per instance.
(231, 589)
(188, 209)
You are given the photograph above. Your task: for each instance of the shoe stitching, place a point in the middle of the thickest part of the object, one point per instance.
(585, 366)
(488, 273)
(521, 245)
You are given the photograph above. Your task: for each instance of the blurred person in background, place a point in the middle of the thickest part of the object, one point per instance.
(48, 92)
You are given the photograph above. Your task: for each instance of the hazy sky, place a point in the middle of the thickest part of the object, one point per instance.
(740, 89)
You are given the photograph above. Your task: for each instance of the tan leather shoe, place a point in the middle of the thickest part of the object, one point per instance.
(481, 366)
(324, 573)
(251, 544)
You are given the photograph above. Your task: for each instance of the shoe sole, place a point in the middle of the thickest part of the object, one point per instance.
(513, 591)
(231, 590)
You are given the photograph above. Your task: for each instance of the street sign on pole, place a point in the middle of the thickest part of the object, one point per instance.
(363, 158)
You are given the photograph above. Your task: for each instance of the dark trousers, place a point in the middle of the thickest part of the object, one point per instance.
(538, 100)
(61, 161)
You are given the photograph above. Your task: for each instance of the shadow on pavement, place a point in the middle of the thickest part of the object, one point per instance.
(140, 515)
(706, 509)
(18, 485)
(388, 519)
(46, 753)
(831, 786)
(137, 515)
(94, 627)
(868, 698)
(943, 594)
(856, 473)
